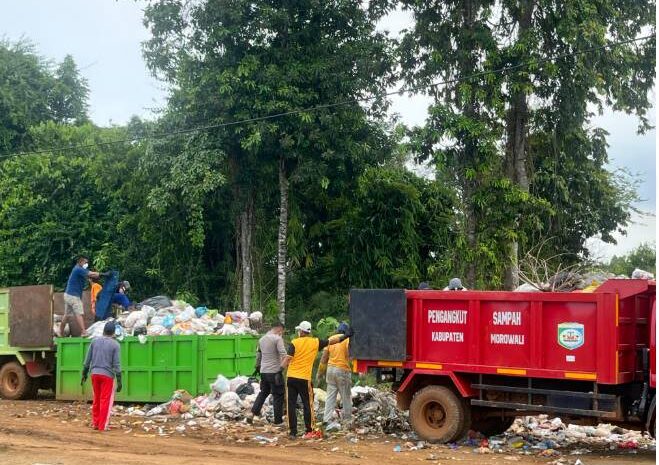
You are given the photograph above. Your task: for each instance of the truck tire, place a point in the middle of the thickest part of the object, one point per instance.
(15, 383)
(437, 414)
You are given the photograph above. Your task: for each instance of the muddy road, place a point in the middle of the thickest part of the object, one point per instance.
(57, 433)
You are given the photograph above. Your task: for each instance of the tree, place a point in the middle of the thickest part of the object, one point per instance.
(643, 257)
(530, 125)
(68, 100)
(25, 84)
(239, 60)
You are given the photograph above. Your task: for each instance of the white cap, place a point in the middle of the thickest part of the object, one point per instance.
(304, 326)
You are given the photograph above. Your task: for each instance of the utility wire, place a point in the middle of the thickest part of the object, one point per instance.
(400, 91)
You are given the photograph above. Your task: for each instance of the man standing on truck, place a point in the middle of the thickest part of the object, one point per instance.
(103, 362)
(73, 293)
(94, 288)
(302, 352)
(270, 357)
(336, 361)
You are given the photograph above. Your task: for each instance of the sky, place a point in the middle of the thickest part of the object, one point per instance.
(105, 36)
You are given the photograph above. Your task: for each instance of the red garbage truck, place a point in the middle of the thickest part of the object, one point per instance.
(461, 360)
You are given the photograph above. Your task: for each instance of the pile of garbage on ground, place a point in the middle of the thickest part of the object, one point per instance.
(375, 411)
(375, 415)
(550, 437)
(159, 316)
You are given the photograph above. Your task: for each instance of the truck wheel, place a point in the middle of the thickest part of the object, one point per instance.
(437, 414)
(14, 382)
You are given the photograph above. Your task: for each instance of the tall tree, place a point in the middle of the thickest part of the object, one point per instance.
(68, 99)
(241, 60)
(565, 62)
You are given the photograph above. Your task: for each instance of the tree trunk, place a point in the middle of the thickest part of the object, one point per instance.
(470, 109)
(517, 146)
(281, 242)
(246, 226)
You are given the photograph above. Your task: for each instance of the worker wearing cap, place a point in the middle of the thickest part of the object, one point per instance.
(103, 361)
(302, 355)
(336, 362)
(120, 298)
(455, 284)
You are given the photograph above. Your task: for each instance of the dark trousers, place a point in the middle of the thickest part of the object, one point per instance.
(303, 388)
(271, 383)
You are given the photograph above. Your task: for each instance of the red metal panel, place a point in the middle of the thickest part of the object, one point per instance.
(505, 334)
(443, 330)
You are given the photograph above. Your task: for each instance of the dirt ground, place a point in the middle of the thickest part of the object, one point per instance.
(56, 433)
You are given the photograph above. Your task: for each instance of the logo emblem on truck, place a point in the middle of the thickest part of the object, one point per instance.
(570, 335)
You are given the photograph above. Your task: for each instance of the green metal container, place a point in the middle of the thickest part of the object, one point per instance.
(154, 370)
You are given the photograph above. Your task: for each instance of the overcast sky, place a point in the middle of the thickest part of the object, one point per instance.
(105, 36)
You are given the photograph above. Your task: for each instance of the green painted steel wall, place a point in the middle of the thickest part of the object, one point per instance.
(153, 370)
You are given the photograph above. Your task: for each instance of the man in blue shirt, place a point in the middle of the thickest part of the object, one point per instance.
(120, 297)
(73, 293)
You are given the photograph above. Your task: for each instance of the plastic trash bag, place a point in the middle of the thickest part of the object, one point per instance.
(228, 330)
(136, 318)
(185, 315)
(149, 311)
(157, 330)
(244, 390)
(230, 402)
(236, 382)
(641, 274)
(168, 321)
(200, 311)
(157, 302)
(221, 384)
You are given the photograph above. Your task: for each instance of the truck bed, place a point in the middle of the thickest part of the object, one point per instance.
(579, 336)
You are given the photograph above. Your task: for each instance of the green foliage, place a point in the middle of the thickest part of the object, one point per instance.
(568, 192)
(326, 327)
(165, 211)
(32, 93)
(643, 257)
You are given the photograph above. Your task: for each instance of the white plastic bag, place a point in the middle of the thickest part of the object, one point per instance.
(136, 318)
(157, 330)
(149, 311)
(236, 382)
(221, 384)
(185, 315)
(230, 402)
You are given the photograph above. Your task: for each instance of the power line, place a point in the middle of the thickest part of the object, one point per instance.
(502, 70)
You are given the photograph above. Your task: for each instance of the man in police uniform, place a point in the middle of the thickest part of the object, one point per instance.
(302, 352)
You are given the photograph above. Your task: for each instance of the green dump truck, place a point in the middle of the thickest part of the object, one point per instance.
(30, 359)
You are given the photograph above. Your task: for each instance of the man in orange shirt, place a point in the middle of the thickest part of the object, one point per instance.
(336, 360)
(302, 355)
(95, 288)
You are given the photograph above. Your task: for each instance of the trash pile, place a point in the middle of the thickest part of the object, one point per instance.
(550, 437)
(570, 281)
(228, 400)
(376, 411)
(164, 318)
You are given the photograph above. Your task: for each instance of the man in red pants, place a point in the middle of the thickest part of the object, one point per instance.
(103, 361)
